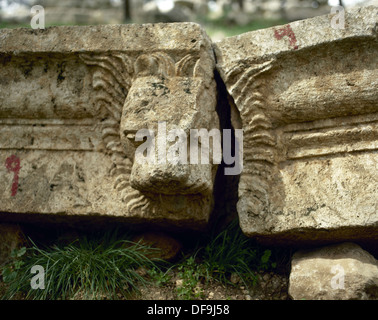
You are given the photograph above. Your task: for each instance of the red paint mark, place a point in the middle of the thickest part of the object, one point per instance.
(12, 163)
(286, 31)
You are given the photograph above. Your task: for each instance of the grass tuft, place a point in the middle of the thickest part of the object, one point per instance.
(84, 269)
(106, 267)
(226, 253)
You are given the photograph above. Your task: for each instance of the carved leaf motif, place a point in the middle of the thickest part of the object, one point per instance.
(162, 65)
(155, 64)
(111, 80)
(247, 87)
(187, 66)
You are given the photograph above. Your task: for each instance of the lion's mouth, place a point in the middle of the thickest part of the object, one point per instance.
(173, 203)
(151, 203)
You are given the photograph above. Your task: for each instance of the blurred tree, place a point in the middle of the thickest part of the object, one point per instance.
(127, 10)
(241, 4)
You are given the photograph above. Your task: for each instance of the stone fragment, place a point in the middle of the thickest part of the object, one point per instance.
(234, 278)
(168, 248)
(339, 272)
(72, 100)
(306, 96)
(179, 283)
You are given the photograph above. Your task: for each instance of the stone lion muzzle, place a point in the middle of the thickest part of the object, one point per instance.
(166, 99)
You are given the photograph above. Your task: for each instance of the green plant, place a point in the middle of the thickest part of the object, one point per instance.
(159, 276)
(231, 251)
(190, 273)
(11, 269)
(266, 264)
(86, 268)
(227, 253)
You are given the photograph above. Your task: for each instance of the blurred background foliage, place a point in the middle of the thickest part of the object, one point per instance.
(220, 18)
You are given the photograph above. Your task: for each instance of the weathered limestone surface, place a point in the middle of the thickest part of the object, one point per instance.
(71, 101)
(306, 96)
(339, 272)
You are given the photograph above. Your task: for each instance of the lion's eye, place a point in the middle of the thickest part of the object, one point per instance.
(130, 136)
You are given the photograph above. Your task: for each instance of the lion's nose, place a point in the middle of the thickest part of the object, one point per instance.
(167, 178)
(131, 138)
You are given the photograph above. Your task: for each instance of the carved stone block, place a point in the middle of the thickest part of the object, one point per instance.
(306, 96)
(72, 100)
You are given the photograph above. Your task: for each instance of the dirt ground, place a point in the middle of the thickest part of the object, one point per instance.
(271, 286)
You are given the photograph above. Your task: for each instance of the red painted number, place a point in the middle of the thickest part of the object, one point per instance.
(286, 31)
(13, 164)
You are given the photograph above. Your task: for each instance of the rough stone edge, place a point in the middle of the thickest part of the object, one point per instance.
(103, 38)
(359, 22)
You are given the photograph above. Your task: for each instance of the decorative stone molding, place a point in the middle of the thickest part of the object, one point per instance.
(70, 99)
(306, 97)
